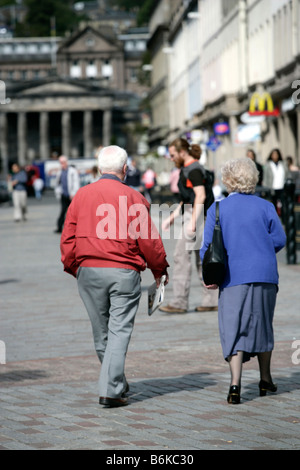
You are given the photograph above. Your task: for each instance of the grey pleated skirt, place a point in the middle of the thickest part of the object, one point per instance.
(246, 319)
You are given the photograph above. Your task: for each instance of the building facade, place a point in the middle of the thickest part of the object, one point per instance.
(69, 95)
(223, 58)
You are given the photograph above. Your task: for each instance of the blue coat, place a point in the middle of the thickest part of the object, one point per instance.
(252, 235)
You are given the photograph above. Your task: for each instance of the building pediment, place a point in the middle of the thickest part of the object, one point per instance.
(54, 88)
(90, 40)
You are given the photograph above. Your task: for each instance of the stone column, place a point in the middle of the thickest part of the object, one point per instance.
(44, 136)
(88, 133)
(66, 133)
(22, 138)
(4, 143)
(106, 136)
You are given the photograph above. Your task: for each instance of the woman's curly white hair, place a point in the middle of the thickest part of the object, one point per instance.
(240, 175)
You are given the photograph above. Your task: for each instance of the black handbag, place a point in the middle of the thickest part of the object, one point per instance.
(215, 258)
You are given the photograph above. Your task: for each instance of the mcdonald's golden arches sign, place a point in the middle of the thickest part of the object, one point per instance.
(261, 104)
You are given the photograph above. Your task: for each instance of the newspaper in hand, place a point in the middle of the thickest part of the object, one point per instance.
(156, 295)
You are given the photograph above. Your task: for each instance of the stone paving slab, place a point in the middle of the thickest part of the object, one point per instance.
(178, 379)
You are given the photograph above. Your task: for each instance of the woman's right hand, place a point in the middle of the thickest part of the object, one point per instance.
(212, 286)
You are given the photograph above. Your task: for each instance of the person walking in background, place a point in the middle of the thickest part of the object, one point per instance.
(290, 165)
(94, 174)
(38, 186)
(274, 178)
(149, 182)
(18, 183)
(252, 155)
(66, 186)
(252, 235)
(133, 176)
(192, 189)
(101, 247)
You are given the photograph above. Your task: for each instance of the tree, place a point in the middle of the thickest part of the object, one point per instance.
(39, 14)
(4, 3)
(143, 9)
(145, 12)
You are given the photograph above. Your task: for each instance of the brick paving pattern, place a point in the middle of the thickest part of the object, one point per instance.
(178, 378)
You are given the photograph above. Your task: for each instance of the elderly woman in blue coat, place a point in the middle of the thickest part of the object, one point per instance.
(252, 235)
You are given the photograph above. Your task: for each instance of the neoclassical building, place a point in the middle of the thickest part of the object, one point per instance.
(69, 96)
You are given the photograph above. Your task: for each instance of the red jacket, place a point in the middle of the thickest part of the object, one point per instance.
(108, 224)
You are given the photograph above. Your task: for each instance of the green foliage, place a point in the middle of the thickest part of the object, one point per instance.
(39, 13)
(143, 9)
(145, 12)
(127, 5)
(4, 3)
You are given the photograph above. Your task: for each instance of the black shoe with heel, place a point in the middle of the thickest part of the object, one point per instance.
(234, 397)
(265, 387)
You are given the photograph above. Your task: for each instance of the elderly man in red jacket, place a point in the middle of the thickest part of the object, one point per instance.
(107, 240)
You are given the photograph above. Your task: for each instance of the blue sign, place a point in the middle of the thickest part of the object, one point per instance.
(221, 128)
(213, 143)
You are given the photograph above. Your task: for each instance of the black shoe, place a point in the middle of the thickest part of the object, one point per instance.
(57, 231)
(265, 387)
(113, 402)
(234, 397)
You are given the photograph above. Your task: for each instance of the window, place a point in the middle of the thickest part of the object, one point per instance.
(140, 46)
(20, 49)
(133, 75)
(45, 48)
(75, 71)
(91, 69)
(32, 48)
(129, 46)
(107, 70)
(90, 42)
(7, 49)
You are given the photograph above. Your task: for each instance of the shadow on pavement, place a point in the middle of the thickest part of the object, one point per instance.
(146, 389)
(284, 385)
(21, 375)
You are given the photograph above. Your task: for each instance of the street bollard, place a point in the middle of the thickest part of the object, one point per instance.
(290, 221)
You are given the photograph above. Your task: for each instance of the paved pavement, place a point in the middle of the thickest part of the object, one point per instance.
(178, 379)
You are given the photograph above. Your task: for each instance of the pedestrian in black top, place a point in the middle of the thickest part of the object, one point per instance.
(193, 200)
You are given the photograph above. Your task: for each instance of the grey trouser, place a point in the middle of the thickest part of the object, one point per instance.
(20, 204)
(182, 274)
(111, 297)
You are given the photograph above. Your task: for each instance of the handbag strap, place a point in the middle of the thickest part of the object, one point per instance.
(217, 213)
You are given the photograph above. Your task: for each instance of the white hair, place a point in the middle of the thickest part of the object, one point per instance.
(112, 159)
(240, 175)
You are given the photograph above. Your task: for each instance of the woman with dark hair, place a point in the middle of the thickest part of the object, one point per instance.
(274, 177)
(252, 155)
